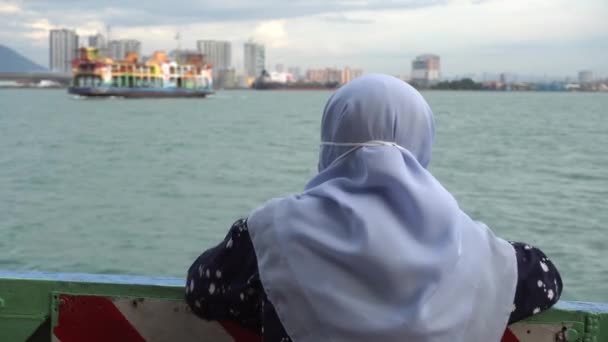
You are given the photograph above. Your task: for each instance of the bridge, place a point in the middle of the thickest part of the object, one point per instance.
(36, 77)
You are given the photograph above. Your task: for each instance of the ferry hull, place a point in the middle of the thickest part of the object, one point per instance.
(140, 93)
(95, 308)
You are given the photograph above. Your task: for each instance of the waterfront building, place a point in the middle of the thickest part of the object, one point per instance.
(585, 77)
(349, 74)
(426, 70)
(254, 59)
(63, 49)
(217, 52)
(97, 41)
(226, 78)
(118, 49)
(295, 73)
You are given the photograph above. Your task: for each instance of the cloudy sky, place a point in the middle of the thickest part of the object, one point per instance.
(533, 37)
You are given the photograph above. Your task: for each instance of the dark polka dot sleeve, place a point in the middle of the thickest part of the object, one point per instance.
(223, 284)
(539, 284)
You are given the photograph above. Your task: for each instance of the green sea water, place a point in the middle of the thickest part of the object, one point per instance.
(144, 186)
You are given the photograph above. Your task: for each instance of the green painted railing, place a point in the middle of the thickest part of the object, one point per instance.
(82, 307)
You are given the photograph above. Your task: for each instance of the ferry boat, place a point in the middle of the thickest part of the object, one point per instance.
(158, 76)
(58, 307)
(266, 81)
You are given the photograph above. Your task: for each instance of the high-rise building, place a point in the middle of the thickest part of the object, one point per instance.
(226, 78)
(63, 48)
(327, 75)
(316, 75)
(118, 49)
(97, 41)
(334, 75)
(295, 73)
(217, 52)
(280, 68)
(585, 77)
(426, 70)
(255, 59)
(349, 74)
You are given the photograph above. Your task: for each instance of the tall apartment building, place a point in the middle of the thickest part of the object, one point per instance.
(118, 49)
(255, 59)
(63, 48)
(217, 52)
(97, 41)
(426, 70)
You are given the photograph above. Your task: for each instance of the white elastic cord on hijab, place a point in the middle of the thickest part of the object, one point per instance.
(355, 146)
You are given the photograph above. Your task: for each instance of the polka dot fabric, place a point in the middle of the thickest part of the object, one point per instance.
(539, 284)
(223, 284)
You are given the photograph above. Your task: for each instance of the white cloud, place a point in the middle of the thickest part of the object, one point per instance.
(9, 8)
(272, 33)
(545, 36)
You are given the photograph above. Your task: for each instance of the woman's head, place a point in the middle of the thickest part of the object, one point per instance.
(377, 107)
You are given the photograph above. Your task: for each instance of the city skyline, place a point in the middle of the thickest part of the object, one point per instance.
(425, 72)
(557, 38)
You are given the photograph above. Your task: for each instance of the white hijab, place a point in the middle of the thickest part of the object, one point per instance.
(375, 249)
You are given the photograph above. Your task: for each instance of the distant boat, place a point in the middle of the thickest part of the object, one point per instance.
(266, 82)
(98, 76)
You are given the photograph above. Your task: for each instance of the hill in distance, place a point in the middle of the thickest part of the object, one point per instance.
(12, 61)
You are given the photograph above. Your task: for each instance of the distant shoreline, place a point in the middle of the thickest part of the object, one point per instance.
(333, 89)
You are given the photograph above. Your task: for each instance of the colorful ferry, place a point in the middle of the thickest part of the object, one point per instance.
(159, 76)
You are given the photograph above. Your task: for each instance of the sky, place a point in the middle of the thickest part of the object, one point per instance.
(529, 37)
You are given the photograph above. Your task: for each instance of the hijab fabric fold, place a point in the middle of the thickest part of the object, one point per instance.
(374, 248)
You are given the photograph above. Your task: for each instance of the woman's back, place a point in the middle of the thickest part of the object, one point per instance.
(374, 248)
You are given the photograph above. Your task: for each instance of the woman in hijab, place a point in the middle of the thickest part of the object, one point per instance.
(374, 248)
